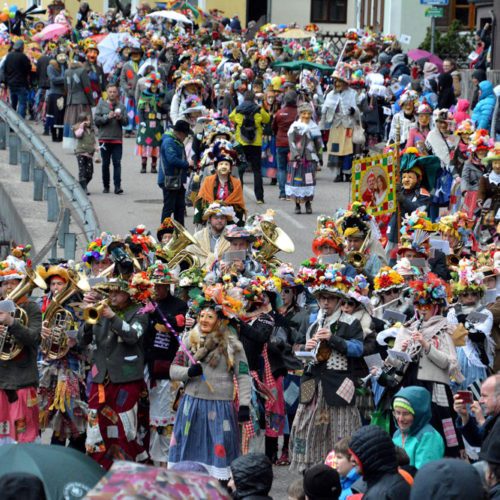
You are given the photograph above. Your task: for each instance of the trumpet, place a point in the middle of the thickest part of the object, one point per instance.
(357, 259)
(92, 314)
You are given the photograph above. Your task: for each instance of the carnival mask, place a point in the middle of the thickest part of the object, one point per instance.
(262, 63)
(208, 320)
(408, 107)
(339, 85)
(495, 165)
(223, 167)
(409, 180)
(305, 116)
(92, 55)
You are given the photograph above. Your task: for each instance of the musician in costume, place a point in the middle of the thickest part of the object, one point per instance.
(388, 290)
(62, 398)
(96, 257)
(206, 427)
(160, 348)
(221, 187)
(118, 393)
(489, 189)
(326, 411)
(19, 375)
(165, 231)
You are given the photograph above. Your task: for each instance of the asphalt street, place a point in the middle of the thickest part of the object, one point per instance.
(142, 200)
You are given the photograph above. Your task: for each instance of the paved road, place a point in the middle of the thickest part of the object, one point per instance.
(142, 202)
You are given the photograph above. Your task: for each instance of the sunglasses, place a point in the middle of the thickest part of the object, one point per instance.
(425, 307)
(286, 291)
(350, 303)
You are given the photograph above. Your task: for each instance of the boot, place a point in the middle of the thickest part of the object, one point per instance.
(153, 168)
(53, 131)
(84, 186)
(60, 134)
(144, 165)
(309, 209)
(347, 177)
(297, 208)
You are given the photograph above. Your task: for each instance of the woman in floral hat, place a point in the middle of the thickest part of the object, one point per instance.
(464, 131)
(150, 122)
(418, 134)
(406, 117)
(327, 411)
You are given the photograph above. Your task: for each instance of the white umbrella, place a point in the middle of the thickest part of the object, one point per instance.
(108, 49)
(171, 14)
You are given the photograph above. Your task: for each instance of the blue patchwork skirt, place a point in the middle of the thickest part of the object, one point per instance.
(206, 432)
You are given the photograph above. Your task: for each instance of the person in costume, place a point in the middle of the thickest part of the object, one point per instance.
(61, 394)
(128, 82)
(160, 349)
(405, 118)
(206, 427)
(56, 96)
(326, 411)
(306, 145)
(118, 393)
(475, 347)
(440, 141)
(221, 187)
(165, 231)
(188, 86)
(341, 114)
(464, 131)
(149, 110)
(456, 229)
(94, 68)
(418, 134)
(19, 376)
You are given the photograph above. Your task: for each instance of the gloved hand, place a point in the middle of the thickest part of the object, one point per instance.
(338, 344)
(352, 111)
(244, 414)
(195, 370)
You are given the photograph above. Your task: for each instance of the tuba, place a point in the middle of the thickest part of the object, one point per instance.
(9, 346)
(274, 240)
(357, 259)
(175, 249)
(59, 319)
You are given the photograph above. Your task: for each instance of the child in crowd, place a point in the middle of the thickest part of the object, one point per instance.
(296, 490)
(346, 470)
(86, 145)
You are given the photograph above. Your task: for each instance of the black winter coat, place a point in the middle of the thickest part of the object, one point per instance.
(253, 476)
(253, 337)
(16, 70)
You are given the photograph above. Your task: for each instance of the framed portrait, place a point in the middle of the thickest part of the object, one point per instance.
(374, 182)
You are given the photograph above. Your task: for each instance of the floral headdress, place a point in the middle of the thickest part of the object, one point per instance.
(96, 249)
(467, 279)
(408, 96)
(287, 276)
(415, 233)
(332, 281)
(159, 273)
(216, 297)
(480, 140)
(12, 268)
(466, 127)
(430, 289)
(141, 287)
(154, 78)
(193, 277)
(327, 234)
(139, 237)
(359, 290)
(357, 221)
(458, 225)
(404, 268)
(218, 208)
(386, 279)
(310, 271)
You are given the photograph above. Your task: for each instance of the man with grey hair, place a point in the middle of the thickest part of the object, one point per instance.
(15, 75)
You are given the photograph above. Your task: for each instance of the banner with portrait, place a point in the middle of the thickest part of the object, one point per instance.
(374, 182)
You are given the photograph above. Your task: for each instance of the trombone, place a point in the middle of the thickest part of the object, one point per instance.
(357, 259)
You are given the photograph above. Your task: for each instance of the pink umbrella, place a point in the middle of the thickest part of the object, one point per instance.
(417, 54)
(51, 31)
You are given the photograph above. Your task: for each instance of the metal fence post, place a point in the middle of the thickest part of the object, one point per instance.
(53, 251)
(52, 204)
(25, 165)
(45, 185)
(3, 141)
(64, 228)
(38, 185)
(13, 149)
(32, 167)
(69, 246)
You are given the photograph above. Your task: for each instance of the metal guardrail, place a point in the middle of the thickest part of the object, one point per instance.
(64, 195)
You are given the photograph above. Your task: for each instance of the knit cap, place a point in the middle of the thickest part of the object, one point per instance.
(400, 402)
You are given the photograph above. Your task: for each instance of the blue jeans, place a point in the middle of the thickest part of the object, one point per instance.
(111, 151)
(19, 100)
(282, 161)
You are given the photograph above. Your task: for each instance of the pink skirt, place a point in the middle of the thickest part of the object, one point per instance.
(19, 419)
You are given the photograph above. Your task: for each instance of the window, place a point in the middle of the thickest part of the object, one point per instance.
(329, 11)
(465, 13)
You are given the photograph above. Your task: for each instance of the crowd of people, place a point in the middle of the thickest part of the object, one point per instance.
(372, 367)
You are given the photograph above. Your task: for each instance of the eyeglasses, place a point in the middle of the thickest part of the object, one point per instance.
(286, 291)
(329, 298)
(402, 414)
(350, 303)
(425, 307)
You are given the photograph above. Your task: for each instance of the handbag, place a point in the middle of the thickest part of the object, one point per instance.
(172, 182)
(358, 134)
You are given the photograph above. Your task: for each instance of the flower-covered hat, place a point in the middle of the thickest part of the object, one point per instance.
(194, 277)
(359, 290)
(141, 287)
(415, 233)
(465, 127)
(332, 281)
(96, 249)
(167, 226)
(458, 224)
(493, 154)
(424, 109)
(286, 274)
(154, 78)
(386, 279)
(404, 268)
(235, 232)
(408, 96)
(192, 104)
(357, 221)
(430, 289)
(12, 269)
(327, 234)
(159, 273)
(218, 208)
(480, 140)
(467, 279)
(342, 72)
(310, 270)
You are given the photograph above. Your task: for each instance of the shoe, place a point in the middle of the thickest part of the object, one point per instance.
(105, 190)
(309, 209)
(288, 198)
(283, 460)
(118, 191)
(46, 132)
(338, 178)
(274, 182)
(143, 170)
(153, 170)
(260, 202)
(297, 208)
(282, 198)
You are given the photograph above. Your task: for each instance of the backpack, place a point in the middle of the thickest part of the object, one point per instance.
(248, 129)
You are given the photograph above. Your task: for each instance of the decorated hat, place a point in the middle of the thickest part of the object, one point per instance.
(465, 127)
(189, 80)
(388, 336)
(327, 234)
(286, 274)
(192, 104)
(332, 281)
(194, 277)
(48, 273)
(113, 285)
(90, 45)
(425, 167)
(404, 268)
(493, 154)
(12, 268)
(424, 108)
(96, 249)
(480, 140)
(356, 221)
(408, 96)
(154, 78)
(359, 290)
(386, 279)
(430, 289)
(218, 128)
(310, 271)
(458, 224)
(342, 72)
(235, 232)
(442, 115)
(141, 286)
(159, 274)
(467, 279)
(219, 208)
(167, 226)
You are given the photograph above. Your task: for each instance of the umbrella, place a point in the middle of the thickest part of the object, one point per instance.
(171, 14)
(417, 54)
(133, 480)
(108, 49)
(99, 37)
(184, 7)
(65, 472)
(295, 33)
(302, 64)
(51, 31)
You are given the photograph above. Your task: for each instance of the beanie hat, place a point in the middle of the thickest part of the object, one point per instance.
(400, 402)
(321, 482)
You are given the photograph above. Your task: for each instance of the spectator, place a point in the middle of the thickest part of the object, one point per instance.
(446, 96)
(56, 97)
(174, 165)
(475, 434)
(399, 66)
(461, 113)
(345, 468)
(321, 482)
(491, 456)
(296, 490)
(43, 82)
(415, 434)
(447, 479)
(110, 117)
(249, 119)
(483, 112)
(374, 456)
(478, 76)
(281, 123)
(251, 477)
(431, 71)
(16, 72)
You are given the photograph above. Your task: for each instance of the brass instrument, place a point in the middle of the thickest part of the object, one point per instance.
(92, 314)
(357, 259)
(175, 249)
(59, 319)
(9, 346)
(274, 240)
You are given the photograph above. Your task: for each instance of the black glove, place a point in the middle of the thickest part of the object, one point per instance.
(352, 111)
(476, 335)
(338, 344)
(244, 414)
(195, 370)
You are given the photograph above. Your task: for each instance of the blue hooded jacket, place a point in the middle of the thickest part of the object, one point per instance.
(482, 113)
(421, 441)
(173, 158)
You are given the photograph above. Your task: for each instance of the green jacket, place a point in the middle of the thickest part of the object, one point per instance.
(421, 441)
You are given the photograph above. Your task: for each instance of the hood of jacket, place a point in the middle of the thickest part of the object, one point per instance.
(398, 59)
(463, 105)
(447, 479)
(252, 474)
(420, 400)
(374, 452)
(479, 75)
(445, 81)
(486, 89)
(247, 107)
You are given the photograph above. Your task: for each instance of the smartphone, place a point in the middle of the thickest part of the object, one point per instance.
(466, 397)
